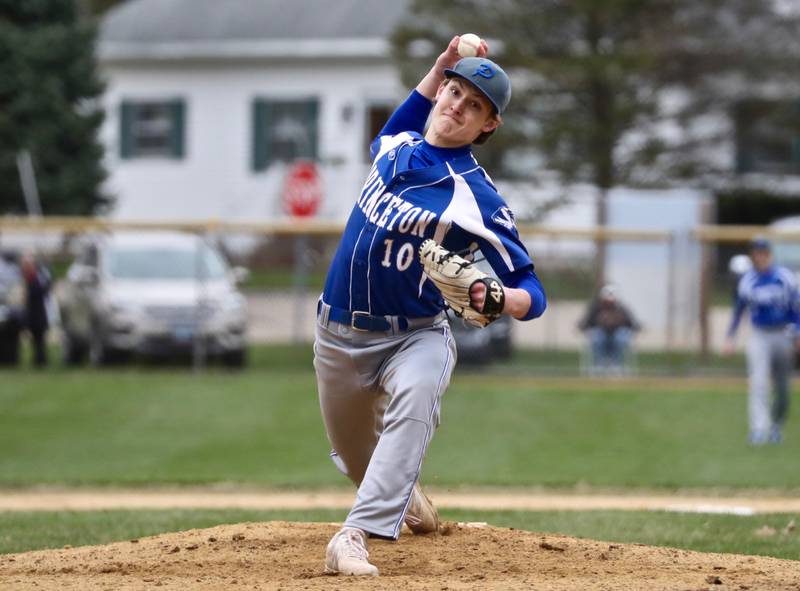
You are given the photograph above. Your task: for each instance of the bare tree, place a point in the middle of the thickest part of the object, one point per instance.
(612, 92)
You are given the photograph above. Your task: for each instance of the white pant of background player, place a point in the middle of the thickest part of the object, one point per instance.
(380, 394)
(769, 363)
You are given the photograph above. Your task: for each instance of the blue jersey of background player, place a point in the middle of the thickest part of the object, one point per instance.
(770, 293)
(384, 353)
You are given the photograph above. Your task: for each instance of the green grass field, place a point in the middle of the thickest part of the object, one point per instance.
(142, 426)
(507, 426)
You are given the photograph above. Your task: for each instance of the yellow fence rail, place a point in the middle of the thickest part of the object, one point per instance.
(288, 226)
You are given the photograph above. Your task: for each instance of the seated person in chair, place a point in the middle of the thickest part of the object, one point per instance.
(610, 326)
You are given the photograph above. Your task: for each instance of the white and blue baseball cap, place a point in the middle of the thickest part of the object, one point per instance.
(487, 76)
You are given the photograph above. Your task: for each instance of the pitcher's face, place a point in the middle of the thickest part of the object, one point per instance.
(460, 115)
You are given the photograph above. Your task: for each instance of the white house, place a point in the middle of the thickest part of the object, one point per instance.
(207, 101)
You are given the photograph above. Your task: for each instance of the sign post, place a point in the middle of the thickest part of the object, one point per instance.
(302, 195)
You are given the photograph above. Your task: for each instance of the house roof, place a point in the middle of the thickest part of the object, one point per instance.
(181, 29)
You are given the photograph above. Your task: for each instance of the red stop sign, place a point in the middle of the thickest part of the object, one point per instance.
(302, 190)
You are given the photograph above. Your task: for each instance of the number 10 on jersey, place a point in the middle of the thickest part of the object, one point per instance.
(404, 255)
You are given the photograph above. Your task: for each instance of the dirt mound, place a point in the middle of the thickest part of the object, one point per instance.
(289, 556)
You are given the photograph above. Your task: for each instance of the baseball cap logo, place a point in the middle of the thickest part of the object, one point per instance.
(484, 70)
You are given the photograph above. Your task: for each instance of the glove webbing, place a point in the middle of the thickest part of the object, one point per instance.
(463, 265)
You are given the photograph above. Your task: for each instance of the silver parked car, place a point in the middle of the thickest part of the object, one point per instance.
(153, 294)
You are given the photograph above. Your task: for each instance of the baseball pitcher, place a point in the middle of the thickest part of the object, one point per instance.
(383, 352)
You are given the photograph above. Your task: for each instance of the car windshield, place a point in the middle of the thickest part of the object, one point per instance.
(154, 262)
(787, 254)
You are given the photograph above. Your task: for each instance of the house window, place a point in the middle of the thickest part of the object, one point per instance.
(152, 129)
(768, 137)
(284, 131)
(377, 116)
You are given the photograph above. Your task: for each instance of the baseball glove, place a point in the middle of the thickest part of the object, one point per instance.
(455, 276)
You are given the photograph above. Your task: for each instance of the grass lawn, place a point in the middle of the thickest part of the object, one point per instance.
(563, 363)
(139, 426)
(534, 363)
(20, 532)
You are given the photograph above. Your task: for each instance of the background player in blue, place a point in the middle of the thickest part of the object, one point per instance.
(383, 350)
(771, 294)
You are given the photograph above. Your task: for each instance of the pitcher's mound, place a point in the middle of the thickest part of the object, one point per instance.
(289, 556)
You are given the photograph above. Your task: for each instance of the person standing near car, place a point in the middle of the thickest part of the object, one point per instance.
(770, 292)
(383, 350)
(37, 290)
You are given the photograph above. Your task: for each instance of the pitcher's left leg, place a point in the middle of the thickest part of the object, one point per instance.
(415, 377)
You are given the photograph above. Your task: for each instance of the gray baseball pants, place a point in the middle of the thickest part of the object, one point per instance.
(769, 362)
(379, 393)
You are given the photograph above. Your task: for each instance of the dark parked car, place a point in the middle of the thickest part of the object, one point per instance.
(481, 345)
(12, 293)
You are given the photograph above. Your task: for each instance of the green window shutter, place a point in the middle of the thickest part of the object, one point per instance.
(126, 118)
(743, 116)
(266, 112)
(312, 112)
(178, 139)
(261, 121)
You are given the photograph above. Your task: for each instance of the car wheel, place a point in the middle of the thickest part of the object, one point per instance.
(73, 352)
(500, 338)
(101, 355)
(9, 349)
(235, 359)
(501, 348)
(97, 351)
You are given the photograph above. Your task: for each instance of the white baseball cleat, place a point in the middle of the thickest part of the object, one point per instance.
(421, 517)
(347, 553)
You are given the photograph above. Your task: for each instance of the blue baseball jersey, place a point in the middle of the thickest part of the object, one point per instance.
(415, 191)
(771, 296)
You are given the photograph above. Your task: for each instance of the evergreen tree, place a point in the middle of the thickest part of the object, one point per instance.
(98, 7)
(49, 107)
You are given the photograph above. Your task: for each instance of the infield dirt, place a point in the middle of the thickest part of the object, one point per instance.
(289, 556)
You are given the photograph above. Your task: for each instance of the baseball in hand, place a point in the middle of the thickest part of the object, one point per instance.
(468, 45)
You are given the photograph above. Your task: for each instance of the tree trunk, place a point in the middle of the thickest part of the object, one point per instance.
(601, 139)
(601, 244)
